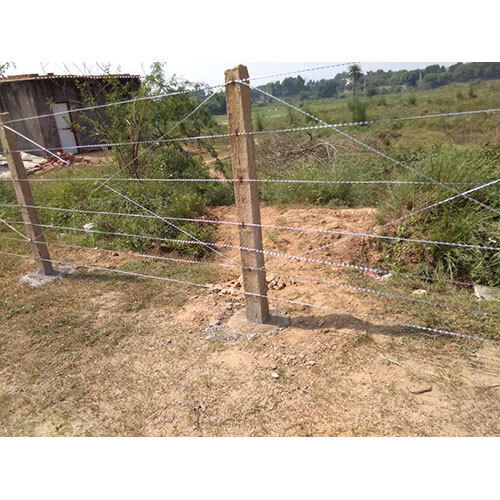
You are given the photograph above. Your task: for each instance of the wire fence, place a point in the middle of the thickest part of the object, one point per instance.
(138, 209)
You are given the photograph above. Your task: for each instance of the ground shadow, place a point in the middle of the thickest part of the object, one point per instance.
(338, 321)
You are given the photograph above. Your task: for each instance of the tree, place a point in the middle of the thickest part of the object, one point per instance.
(4, 66)
(327, 88)
(354, 74)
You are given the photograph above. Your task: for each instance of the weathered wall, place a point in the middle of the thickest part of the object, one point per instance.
(24, 98)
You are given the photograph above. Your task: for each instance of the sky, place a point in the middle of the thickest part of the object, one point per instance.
(210, 72)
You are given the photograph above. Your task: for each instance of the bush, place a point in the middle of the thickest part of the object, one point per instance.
(168, 199)
(412, 100)
(382, 101)
(472, 91)
(371, 90)
(358, 109)
(460, 96)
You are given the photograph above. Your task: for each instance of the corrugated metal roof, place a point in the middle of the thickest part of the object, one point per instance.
(51, 76)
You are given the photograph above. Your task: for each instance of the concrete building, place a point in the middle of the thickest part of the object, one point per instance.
(53, 97)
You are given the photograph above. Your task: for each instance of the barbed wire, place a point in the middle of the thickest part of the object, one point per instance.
(278, 299)
(269, 131)
(407, 216)
(390, 295)
(295, 276)
(203, 88)
(229, 180)
(41, 148)
(371, 148)
(137, 254)
(167, 219)
(355, 267)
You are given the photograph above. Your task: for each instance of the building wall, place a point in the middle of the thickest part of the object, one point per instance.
(24, 98)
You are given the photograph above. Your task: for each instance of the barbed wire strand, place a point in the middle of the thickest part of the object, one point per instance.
(229, 180)
(6, 127)
(270, 131)
(389, 294)
(143, 151)
(167, 219)
(371, 148)
(354, 267)
(295, 276)
(278, 299)
(405, 217)
(14, 229)
(169, 94)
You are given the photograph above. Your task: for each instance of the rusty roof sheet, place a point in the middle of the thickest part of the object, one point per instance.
(52, 76)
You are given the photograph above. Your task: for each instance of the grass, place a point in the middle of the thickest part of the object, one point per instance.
(97, 355)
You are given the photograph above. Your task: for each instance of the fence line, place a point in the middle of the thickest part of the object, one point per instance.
(405, 217)
(246, 291)
(354, 267)
(277, 299)
(269, 131)
(167, 219)
(229, 181)
(295, 276)
(169, 94)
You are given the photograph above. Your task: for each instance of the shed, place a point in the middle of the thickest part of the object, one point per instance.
(48, 101)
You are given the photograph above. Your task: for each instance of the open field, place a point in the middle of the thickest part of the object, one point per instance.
(101, 353)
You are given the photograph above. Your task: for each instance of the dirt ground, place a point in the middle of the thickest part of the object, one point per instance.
(97, 354)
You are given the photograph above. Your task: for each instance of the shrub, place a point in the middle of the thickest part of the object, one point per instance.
(472, 91)
(412, 100)
(460, 96)
(382, 101)
(259, 122)
(358, 110)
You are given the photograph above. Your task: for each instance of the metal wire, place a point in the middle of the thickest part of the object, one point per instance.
(169, 94)
(278, 299)
(271, 131)
(405, 217)
(33, 142)
(237, 266)
(374, 150)
(116, 103)
(242, 224)
(168, 221)
(14, 229)
(300, 258)
(391, 295)
(224, 180)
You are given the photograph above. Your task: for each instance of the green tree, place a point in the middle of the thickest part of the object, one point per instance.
(354, 74)
(4, 66)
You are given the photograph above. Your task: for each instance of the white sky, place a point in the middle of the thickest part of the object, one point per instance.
(210, 72)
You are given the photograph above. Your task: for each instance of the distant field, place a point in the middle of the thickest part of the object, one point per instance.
(382, 106)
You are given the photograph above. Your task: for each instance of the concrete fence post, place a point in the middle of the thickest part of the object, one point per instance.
(239, 113)
(25, 199)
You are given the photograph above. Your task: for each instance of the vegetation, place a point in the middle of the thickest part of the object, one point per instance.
(458, 149)
(378, 82)
(455, 149)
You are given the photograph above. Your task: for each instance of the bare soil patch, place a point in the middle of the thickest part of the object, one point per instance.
(97, 354)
